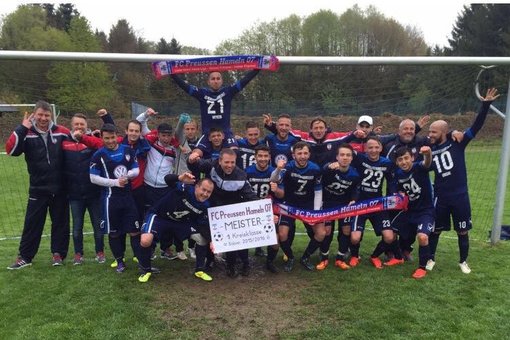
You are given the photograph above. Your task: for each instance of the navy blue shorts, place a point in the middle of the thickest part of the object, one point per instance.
(342, 221)
(409, 223)
(119, 215)
(380, 221)
(159, 226)
(458, 208)
(290, 222)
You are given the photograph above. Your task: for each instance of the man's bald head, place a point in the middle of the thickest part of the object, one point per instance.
(437, 131)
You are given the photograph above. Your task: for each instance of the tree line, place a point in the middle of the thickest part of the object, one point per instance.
(480, 30)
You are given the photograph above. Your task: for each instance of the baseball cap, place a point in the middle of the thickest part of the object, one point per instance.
(366, 119)
(164, 127)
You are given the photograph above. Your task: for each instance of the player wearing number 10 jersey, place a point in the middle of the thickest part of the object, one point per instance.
(450, 182)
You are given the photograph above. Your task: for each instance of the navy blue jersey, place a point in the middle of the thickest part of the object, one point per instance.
(339, 187)
(281, 149)
(416, 184)
(113, 164)
(300, 184)
(246, 152)
(208, 152)
(215, 105)
(449, 162)
(181, 205)
(372, 175)
(259, 180)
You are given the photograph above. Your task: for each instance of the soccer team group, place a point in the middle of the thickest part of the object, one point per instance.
(156, 185)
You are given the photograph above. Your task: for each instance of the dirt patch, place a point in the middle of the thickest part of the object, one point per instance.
(262, 305)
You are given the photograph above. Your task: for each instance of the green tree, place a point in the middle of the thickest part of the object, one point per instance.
(81, 86)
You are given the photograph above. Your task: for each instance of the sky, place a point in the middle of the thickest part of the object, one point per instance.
(205, 24)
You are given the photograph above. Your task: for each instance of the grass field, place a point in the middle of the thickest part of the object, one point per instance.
(93, 302)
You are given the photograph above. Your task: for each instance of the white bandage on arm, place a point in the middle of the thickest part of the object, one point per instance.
(104, 182)
(317, 200)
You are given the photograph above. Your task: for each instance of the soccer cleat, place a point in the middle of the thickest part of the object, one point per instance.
(271, 267)
(259, 252)
(121, 267)
(155, 270)
(353, 261)
(376, 262)
(322, 265)
(464, 267)
(19, 264)
(289, 265)
(135, 259)
(394, 262)
(153, 256)
(192, 253)
(419, 273)
(342, 265)
(285, 258)
(168, 255)
(144, 277)
(100, 258)
(56, 260)
(231, 272)
(305, 261)
(203, 275)
(181, 256)
(114, 263)
(430, 265)
(78, 259)
(406, 255)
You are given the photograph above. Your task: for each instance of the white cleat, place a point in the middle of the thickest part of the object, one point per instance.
(464, 267)
(430, 265)
(181, 256)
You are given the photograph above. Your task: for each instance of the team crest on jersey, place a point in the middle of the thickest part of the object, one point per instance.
(328, 146)
(280, 157)
(120, 171)
(413, 151)
(128, 157)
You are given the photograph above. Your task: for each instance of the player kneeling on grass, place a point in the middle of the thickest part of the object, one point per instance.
(413, 179)
(182, 212)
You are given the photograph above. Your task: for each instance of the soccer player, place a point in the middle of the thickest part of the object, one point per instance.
(340, 183)
(181, 212)
(259, 177)
(450, 184)
(230, 187)
(41, 142)
(212, 149)
(373, 169)
(112, 167)
(412, 178)
(188, 141)
(281, 142)
(300, 186)
(215, 102)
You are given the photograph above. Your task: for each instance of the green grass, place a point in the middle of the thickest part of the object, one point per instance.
(92, 301)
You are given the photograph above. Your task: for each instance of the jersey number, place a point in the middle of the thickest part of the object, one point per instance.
(412, 189)
(261, 189)
(247, 160)
(444, 162)
(211, 103)
(373, 178)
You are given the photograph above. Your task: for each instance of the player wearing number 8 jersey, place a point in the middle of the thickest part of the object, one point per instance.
(450, 182)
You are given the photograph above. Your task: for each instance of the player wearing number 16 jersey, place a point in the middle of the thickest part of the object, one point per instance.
(373, 169)
(247, 145)
(216, 101)
(450, 182)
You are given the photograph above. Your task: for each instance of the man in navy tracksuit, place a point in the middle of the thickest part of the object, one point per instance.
(41, 142)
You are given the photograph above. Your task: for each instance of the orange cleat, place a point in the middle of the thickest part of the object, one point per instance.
(419, 273)
(322, 265)
(342, 265)
(394, 262)
(354, 261)
(376, 262)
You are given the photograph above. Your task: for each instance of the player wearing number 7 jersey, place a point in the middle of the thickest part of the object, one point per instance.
(450, 182)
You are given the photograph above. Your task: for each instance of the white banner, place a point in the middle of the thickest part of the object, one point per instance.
(242, 226)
